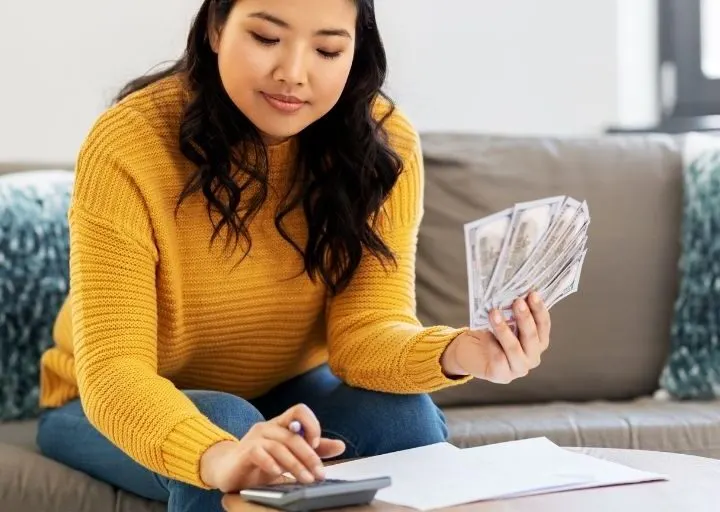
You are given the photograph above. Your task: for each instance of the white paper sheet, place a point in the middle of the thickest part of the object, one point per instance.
(441, 475)
(535, 455)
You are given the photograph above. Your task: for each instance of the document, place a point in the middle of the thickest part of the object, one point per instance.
(441, 475)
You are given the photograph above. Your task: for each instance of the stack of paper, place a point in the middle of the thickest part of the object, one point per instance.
(537, 245)
(442, 475)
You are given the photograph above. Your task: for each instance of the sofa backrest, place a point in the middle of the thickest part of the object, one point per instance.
(610, 339)
(12, 168)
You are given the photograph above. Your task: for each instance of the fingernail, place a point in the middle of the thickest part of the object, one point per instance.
(306, 476)
(316, 442)
(535, 298)
(277, 470)
(522, 307)
(496, 317)
(320, 471)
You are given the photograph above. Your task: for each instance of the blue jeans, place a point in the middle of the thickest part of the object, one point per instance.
(370, 423)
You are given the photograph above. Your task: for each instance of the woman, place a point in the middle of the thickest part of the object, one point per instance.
(243, 233)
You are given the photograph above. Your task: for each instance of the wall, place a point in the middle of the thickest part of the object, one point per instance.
(637, 48)
(64, 60)
(510, 66)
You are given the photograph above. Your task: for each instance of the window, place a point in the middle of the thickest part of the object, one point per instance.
(710, 13)
(690, 62)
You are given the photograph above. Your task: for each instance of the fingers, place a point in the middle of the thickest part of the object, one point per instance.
(517, 359)
(274, 458)
(330, 448)
(301, 454)
(288, 460)
(297, 456)
(527, 333)
(542, 319)
(308, 420)
(260, 457)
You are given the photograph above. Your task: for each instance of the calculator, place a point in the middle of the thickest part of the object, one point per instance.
(319, 495)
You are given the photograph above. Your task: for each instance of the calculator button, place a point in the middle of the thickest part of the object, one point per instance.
(290, 487)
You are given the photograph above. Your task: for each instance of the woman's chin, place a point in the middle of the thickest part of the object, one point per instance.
(275, 139)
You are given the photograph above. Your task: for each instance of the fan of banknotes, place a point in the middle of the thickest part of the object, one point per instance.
(532, 246)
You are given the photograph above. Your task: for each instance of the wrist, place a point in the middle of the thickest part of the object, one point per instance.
(209, 462)
(449, 361)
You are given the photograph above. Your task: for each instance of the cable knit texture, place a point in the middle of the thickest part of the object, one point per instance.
(154, 308)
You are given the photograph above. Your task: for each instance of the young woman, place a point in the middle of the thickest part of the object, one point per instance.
(243, 233)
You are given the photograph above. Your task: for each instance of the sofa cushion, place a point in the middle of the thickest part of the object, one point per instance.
(19, 433)
(693, 366)
(609, 340)
(29, 481)
(691, 428)
(34, 275)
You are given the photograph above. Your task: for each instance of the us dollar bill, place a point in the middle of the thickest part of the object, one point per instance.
(484, 240)
(572, 220)
(529, 225)
(567, 284)
(535, 245)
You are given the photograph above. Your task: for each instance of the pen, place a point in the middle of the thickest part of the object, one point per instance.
(296, 427)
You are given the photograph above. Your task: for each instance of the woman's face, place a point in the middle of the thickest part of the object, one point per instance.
(285, 63)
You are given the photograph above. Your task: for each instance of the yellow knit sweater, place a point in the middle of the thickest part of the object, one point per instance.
(154, 309)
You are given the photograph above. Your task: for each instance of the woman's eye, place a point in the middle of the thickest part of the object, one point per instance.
(329, 55)
(264, 40)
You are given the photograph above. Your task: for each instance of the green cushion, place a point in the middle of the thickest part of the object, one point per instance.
(692, 370)
(34, 280)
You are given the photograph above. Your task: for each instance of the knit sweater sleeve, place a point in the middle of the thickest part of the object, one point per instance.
(113, 263)
(375, 340)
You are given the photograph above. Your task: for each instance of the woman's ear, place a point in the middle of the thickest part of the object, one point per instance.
(214, 32)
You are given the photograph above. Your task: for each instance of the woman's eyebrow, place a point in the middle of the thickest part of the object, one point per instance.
(284, 24)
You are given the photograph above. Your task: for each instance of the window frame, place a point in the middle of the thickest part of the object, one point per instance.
(686, 92)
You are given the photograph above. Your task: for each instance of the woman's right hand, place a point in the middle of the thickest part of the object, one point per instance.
(268, 450)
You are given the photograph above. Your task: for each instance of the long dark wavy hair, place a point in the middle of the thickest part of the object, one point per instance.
(345, 167)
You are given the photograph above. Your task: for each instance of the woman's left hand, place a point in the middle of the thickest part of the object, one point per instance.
(502, 357)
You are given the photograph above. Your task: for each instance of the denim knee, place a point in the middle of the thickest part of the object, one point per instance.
(410, 421)
(373, 423)
(229, 412)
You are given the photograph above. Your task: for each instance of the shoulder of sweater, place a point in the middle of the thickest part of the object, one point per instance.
(404, 206)
(140, 122)
(160, 104)
(129, 156)
(402, 135)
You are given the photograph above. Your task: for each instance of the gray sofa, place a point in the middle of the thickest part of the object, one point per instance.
(609, 341)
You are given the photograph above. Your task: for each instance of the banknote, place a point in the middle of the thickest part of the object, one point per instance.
(528, 226)
(484, 240)
(532, 246)
(569, 223)
(567, 284)
(548, 283)
(560, 259)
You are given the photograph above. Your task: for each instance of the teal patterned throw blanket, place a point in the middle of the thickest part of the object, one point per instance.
(692, 370)
(34, 277)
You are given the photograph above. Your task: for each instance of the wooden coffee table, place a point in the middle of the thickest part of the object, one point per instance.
(694, 485)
